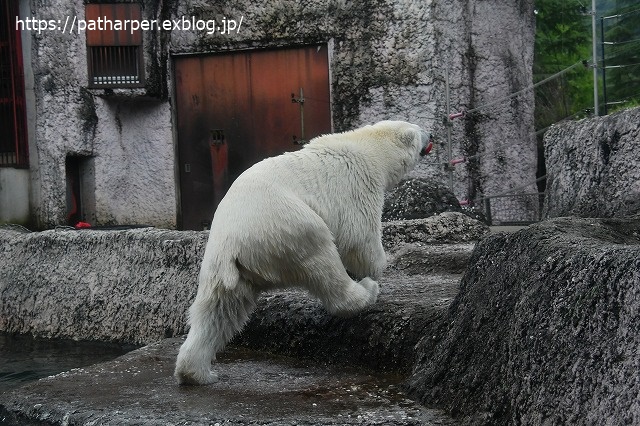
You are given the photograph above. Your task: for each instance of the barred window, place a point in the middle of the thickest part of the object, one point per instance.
(13, 124)
(114, 51)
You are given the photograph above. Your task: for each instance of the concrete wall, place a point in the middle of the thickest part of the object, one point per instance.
(388, 61)
(14, 196)
(593, 167)
(127, 139)
(488, 47)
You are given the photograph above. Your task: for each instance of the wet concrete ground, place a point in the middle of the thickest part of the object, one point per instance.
(254, 388)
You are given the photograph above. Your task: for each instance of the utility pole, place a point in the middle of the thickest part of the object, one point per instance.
(595, 58)
(604, 71)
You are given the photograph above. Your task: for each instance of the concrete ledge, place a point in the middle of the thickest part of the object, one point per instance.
(383, 337)
(129, 286)
(135, 286)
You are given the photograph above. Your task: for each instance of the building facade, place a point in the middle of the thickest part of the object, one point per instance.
(144, 112)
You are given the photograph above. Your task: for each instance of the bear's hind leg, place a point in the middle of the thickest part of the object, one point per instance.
(214, 319)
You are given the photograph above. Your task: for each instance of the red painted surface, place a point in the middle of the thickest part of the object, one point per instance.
(248, 96)
(109, 35)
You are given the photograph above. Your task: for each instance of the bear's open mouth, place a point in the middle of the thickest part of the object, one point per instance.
(427, 149)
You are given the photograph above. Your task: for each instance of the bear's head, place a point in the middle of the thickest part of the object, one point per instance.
(409, 136)
(407, 144)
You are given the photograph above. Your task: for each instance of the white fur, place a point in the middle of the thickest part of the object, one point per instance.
(307, 218)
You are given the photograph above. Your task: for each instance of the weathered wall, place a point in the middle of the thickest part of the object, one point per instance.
(545, 330)
(134, 170)
(488, 48)
(14, 196)
(593, 166)
(387, 61)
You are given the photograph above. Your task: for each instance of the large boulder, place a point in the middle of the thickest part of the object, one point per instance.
(593, 167)
(416, 198)
(545, 329)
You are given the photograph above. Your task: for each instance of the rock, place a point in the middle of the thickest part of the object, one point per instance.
(545, 330)
(448, 227)
(418, 198)
(593, 167)
(420, 259)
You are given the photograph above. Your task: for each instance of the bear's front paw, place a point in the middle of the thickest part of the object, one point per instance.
(372, 287)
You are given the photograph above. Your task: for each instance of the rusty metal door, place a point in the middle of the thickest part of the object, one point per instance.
(235, 109)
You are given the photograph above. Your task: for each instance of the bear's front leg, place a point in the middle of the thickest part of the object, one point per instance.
(370, 260)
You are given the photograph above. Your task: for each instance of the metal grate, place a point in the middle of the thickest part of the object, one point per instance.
(115, 66)
(513, 209)
(114, 54)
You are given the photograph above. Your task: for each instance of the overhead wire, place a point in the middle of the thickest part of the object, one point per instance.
(501, 103)
(526, 89)
(620, 15)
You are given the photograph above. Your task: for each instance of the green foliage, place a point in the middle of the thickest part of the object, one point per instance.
(563, 37)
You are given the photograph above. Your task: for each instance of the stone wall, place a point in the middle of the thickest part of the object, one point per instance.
(545, 330)
(488, 47)
(593, 166)
(388, 60)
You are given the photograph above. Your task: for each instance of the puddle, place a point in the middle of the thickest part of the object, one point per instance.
(24, 359)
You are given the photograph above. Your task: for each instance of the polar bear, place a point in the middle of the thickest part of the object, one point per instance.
(309, 218)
